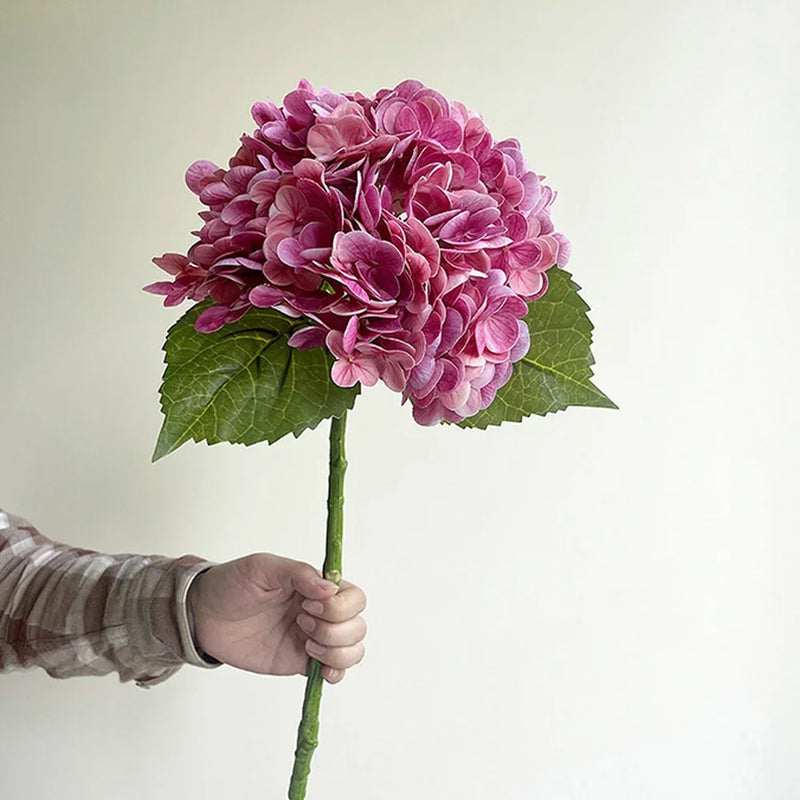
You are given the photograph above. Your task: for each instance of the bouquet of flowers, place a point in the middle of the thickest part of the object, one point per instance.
(353, 239)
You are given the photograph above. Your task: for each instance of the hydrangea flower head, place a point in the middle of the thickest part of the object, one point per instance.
(407, 239)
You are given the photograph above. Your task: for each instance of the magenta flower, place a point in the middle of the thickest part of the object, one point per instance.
(395, 226)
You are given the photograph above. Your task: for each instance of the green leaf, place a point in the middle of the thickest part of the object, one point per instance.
(557, 369)
(243, 383)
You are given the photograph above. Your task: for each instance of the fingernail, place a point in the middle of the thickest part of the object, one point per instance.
(314, 648)
(332, 675)
(306, 623)
(313, 606)
(323, 583)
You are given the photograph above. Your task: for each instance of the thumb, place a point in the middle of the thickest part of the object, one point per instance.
(308, 582)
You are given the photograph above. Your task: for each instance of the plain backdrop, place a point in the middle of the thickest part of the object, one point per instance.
(598, 605)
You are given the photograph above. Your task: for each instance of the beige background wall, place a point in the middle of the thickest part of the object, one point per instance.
(594, 606)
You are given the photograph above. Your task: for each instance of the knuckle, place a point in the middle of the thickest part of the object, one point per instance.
(339, 609)
(335, 659)
(345, 633)
(349, 604)
(335, 675)
(362, 601)
(325, 634)
(346, 657)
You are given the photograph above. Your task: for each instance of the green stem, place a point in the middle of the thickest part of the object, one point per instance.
(308, 732)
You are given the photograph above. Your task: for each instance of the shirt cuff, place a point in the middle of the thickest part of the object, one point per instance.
(192, 652)
(168, 629)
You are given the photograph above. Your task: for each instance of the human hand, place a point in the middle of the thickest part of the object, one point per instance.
(267, 614)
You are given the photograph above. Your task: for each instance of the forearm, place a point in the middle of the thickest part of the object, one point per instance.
(77, 612)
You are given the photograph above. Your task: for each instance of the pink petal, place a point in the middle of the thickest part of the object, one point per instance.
(564, 249)
(199, 174)
(264, 113)
(499, 333)
(238, 210)
(488, 394)
(422, 374)
(472, 404)
(290, 201)
(262, 190)
(173, 263)
(513, 190)
(452, 329)
(333, 341)
(212, 319)
(239, 177)
(447, 132)
(484, 378)
(307, 338)
(360, 246)
(524, 255)
(452, 377)
(354, 288)
(533, 192)
(455, 228)
(368, 372)
(290, 252)
(309, 168)
(516, 226)
(393, 375)
(266, 296)
(214, 194)
(348, 373)
(456, 399)
(429, 414)
(528, 284)
(350, 334)
(523, 344)
(159, 287)
(326, 139)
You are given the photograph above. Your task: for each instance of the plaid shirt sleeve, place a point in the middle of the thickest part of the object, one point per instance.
(75, 612)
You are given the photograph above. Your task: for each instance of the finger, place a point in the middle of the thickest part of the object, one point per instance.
(346, 604)
(270, 572)
(333, 634)
(308, 582)
(330, 674)
(336, 657)
(333, 675)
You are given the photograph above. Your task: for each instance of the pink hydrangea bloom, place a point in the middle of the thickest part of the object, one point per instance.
(407, 239)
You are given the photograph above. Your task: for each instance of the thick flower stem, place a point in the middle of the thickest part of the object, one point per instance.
(308, 732)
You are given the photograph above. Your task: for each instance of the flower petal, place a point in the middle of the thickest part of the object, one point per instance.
(307, 338)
